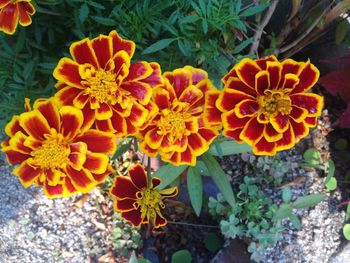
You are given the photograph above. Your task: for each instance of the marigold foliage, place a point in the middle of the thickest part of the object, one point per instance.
(54, 149)
(138, 201)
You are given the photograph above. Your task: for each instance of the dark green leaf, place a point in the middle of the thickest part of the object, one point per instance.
(159, 45)
(284, 211)
(295, 221)
(286, 194)
(181, 256)
(312, 156)
(308, 201)
(253, 10)
(83, 12)
(219, 177)
(242, 45)
(331, 170)
(229, 148)
(212, 242)
(168, 173)
(105, 21)
(195, 189)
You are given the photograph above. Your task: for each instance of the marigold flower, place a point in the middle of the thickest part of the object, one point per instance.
(53, 150)
(14, 11)
(179, 131)
(109, 89)
(137, 201)
(265, 103)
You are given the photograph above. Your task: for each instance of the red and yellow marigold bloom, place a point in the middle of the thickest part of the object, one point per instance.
(13, 12)
(100, 80)
(54, 151)
(179, 131)
(266, 103)
(138, 201)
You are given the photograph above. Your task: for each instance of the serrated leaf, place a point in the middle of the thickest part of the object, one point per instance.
(308, 201)
(254, 10)
(83, 12)
(286, 194)
(105, 21)
(195, 189)
(168, 173)
(159, 45)
(229, 148)
(219, 177)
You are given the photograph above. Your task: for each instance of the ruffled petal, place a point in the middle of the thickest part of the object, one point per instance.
(198, 144)
(96, 163)
(252, 131)
(77, 157)
(236, 84)
(263, 147)
(179, 79)
(139, 71)
(53, 176)
(246, 70)
(287, 141)
(262, 82)
(71, 121)
(300, 129)
(53, 191)
(82, 179)
(133, 216)
(103, 48)
(229, 98)
(156, 77)
(98, 141)
(50, 111)
(246, 108)
(212, 115)
(104, 112)
(187, 157)
(119, 43)
(139, 90)
(119, 124)
(169, 192)
(123, 188)
(263, 62)
(124, 205)
(155, 182)
(298, 114)
(161, 98)
(67, 71)
(26, 174)
(13, 126)
(81, 100)
(275, 71)
(231, 121)
(308, 77)
(160, 221)
(25, 10)
(66, 95)
(280, 122)
(153, 139)
(270, 134)
(34, 124)
(17, 143)
(14, 157)
(290, 81)
(9, 16)
(83, 53)
(138, 176)
(311, 102)
(191, 95)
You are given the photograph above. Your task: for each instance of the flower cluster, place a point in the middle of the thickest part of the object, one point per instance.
(13, 12)
(63, 143)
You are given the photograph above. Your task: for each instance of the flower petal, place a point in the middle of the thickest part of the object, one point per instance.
(161, 98)
(139, 90)
(83, 53)
(311, 121)
(231, 121)
(311, 102)
(212, 115)
(298, 114)
(187, 157)
(246, 70)
(66, 95)
(160, 221)
(144, 147)
(275, 71)
(71, 121)
(270, 134)
(103, 48)
(169, 192)
(121, 44)
(156, 77)
(280, 122)
(124, 205)
(133, 216)
(77, 157)
(9, 16)
(17, 143)
(26, 174)
(104, 112)
(53, 191)
(119, 124)
(67, 71)
(198, 144)
(229, 98)
(80, 100)
(34, 124)
(262, 82)
(98, 141)
(300, 130)
(236, 84)
(252, 131)
(97, 163)
(13, 126)
(139, 71)
(263, 147)
(287, 141)
(123, 188)
(82, 179)
(263, 62)
(14, 157)
(153, 138)
(53, 176)
(50, 111)
(308, 77)
(290, 81)
(25, 10)
(155, 182)
(246, 108)
(179, 79)
(138, 176)
(191, 95)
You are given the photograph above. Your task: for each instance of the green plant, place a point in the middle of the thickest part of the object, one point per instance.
(181, 256)
(124, 236)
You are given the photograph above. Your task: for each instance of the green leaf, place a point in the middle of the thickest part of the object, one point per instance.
(286, 194)
(295, 221)
(347, 212)
(159, 45)
(284, 211)
(346, 231)
(202, 168)
(205, 26)
(242, 45)
(83, 12)
(331, 185)
(308, 201)
(253, 10)
(184, 46)
(229, 148)
(143, 260)
(331, 170)
(105, 21)
(133, 258)
(312, 156)
(219, 177)
(212, 242)
(20, 41)
(181, 256)
(195, 189)
(168, 173)
(122, 148)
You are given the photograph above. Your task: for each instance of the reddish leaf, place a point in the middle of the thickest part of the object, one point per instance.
(338, 82)
(344, 119)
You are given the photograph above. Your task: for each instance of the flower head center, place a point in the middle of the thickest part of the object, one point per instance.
(53, 153)
(275, 101)
(101, 85)
(150, 202)
(173, 121)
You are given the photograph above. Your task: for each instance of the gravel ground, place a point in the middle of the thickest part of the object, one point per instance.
(36, 229)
